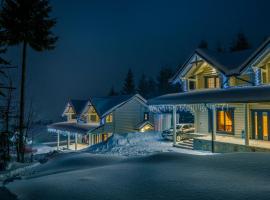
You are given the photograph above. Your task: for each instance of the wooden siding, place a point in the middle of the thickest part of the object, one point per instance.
(128, 116)
(239, 120)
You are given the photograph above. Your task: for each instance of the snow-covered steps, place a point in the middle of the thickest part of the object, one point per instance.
(185, 144)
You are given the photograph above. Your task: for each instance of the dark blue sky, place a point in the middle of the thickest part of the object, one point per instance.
(100, 40)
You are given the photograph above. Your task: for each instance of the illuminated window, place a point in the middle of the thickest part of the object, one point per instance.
(225, 121)
(212, 82)
(265, 125)
(256, 124)
(109, 118)
(104, 137)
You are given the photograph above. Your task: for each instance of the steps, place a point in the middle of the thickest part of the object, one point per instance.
(185, 144)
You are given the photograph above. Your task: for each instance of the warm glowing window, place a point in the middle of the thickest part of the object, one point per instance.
(104, 137)
(212, 82)
(265, 124)
(109, 118)
(256, 124)
(225, 121)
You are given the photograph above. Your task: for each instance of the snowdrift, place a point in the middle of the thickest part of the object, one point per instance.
(137, 144)
(162, 176)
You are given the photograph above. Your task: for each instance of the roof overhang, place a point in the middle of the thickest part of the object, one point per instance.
(252, 94)
(70, 128)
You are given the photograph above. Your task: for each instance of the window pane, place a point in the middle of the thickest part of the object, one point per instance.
(265, 124)
(211, 82)
(220, 120)
(228, 121)
(217, 82)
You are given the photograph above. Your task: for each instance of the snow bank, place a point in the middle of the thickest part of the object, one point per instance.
(137, 144)
(85, 176)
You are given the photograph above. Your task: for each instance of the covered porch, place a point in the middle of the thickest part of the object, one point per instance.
(244, 112)
(78, 136)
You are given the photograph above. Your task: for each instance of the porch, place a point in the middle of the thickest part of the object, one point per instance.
(235, 119)
(225, 144)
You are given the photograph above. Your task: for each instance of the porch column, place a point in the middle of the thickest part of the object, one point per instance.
(68, 140)
(247, 124)
(76, 141)
(174, 125)
(214, 127)
(58, 141)
(89, 139)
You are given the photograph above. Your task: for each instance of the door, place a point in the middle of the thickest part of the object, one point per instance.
(260, 124)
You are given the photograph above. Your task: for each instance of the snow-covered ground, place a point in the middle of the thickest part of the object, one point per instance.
(138, 144)
(85, 176)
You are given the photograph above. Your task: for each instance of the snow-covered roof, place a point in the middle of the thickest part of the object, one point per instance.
(250, 94)
(104, 105)
(70, 127)
(229, 63)
(142, 124)
(77, 105)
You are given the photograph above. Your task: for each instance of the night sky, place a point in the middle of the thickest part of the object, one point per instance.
(99, 41)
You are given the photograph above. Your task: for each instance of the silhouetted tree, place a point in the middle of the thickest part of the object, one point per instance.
(143, 86)
(129, 86)
(203, 44)
(27, 23)
(240, 43)
(163, 85)
(219, 48)
(112, 92)
(152, 88)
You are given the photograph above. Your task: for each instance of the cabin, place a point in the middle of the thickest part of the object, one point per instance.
(228, 94)
(92, 121)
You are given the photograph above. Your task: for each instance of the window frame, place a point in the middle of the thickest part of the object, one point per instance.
(232, 110)
(109, 118)
(215, 81)
(146, 114)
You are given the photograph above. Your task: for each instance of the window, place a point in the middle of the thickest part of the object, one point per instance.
(146, 116)
(93, 118)
(109, 118)
(191, 84)
(212, 82)
(225, 121)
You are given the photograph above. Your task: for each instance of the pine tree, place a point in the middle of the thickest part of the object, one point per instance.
(152, 88)
(129, 86)
(143, 86)
(163, 85)
(112, 92)
(203, 44)
(219, 48)
(241, 43)
(27, 23)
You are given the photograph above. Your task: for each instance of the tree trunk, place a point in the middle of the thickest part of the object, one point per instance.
(22, 104)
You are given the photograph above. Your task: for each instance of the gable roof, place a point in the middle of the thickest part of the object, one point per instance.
(104, 105)
(229, 63)
(78, 105)
(249, 94)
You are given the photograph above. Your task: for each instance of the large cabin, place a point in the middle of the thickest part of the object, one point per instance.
(229, 95)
